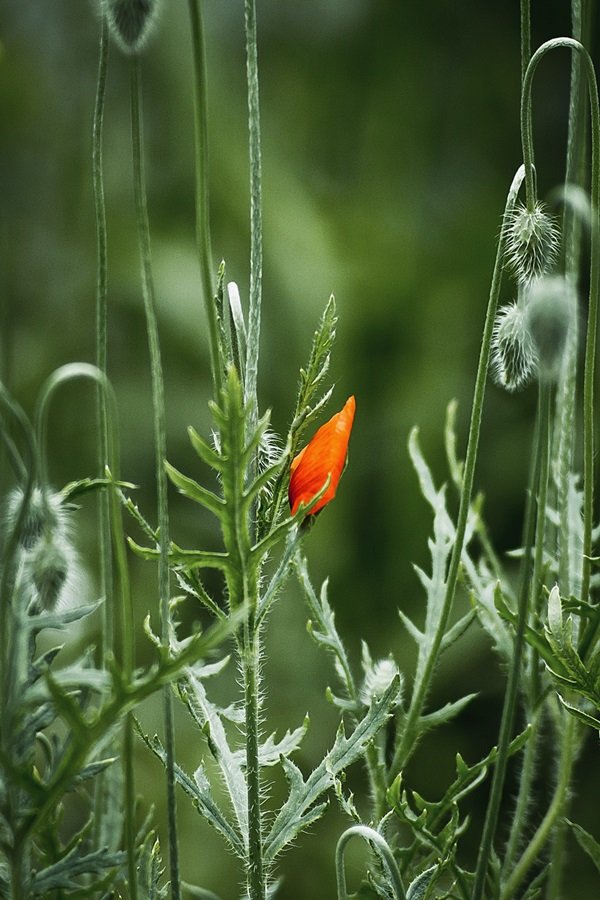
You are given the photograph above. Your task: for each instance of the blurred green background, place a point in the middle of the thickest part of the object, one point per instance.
(390, 136)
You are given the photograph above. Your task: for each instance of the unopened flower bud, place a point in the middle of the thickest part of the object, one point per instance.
(49, 569)
(378, 678)
(549, 314)
(40, 515)
(532, 242)
(130, 21)
(513, 351)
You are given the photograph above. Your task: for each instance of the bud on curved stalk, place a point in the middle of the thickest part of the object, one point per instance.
(130, 21)
(532, 243)
(549, 315)
(49, 568)
(514, 356)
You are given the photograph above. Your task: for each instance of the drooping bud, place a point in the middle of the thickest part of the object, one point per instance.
(130, 21)
(550, 314)
(513, 352)
(41, 515)
(49, 568)
(532, 242)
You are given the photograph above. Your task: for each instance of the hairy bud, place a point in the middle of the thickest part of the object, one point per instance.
(49, 569)
(514, 355)
(378, 677)
(130, 21)
(532, 242)
(549, 315)
(40, 517)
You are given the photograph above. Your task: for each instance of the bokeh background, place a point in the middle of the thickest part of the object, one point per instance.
(390, 136)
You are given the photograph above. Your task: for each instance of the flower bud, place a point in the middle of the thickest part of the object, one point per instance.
(549, 314)
(513, 352)
(41, 515)
(49, 569)
(532, 242)
(378, 677)
(130, 21)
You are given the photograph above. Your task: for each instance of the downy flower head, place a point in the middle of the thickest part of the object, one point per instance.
(514, 357)
(549, 316)
(130, 21)
(323, 458)
(532, 242)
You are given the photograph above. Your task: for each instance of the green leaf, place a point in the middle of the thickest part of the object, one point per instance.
(64, 874)
(418, 888)
(194, 491)
(444, 714)
(581, 715)
(587, 843)
(299, 809)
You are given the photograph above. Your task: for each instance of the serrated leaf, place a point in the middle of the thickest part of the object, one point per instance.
(194, 491)
(444, 714)
(418, 888)
(271, 750)
(298, 810)
(581, 715)
(63, 874)
(198, 789)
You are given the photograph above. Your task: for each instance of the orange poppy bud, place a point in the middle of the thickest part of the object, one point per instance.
(324, 457)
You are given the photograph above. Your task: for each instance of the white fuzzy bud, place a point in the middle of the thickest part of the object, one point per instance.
(130, 21)
(514, 357)
(549, 315)
(532, 243)
(378, 678)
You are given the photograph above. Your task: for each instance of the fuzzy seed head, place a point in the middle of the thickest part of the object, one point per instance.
(514, 356)
(130, 21)
(49, 569)
(549, 315)
(532, 243)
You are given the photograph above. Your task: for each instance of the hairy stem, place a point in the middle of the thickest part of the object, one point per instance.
(407, 739)
(381, 846)
(250, 659)
(539, 479)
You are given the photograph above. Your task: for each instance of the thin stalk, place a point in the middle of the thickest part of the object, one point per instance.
(160, 444)
(203, 240)
(592, 323)
(107, 635)
(255, 212)
(533, 850)
(534, 688)
(539, 478)
(525, 36)
(407, 740)
(250, 660)
(381, 845)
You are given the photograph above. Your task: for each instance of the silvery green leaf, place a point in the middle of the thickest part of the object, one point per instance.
(299, 810)
(71, 678)
(150, 870)
(587, 842)
(208, 718)
(93, 769)
(445, 713)
(418, 888)
(63, 874)
(198, 788)
(62, 618)
(270, 751)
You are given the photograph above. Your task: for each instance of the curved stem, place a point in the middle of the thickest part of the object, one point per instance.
(539, 476)
(160, 444)
(407, 740)
(203, 240)
(101, 342)
(381, 845)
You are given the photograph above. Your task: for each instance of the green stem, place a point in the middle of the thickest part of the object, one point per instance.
(255, 212)
(107, 637)
(255, 868)
(160, 442)
(533, 850)
(407, 740)
(381, 845)
(539, 477)
(203, 240)
(525, 36)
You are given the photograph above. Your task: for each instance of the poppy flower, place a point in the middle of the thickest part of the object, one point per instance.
(323, 458)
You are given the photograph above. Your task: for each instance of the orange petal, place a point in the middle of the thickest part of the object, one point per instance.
(323, 458)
